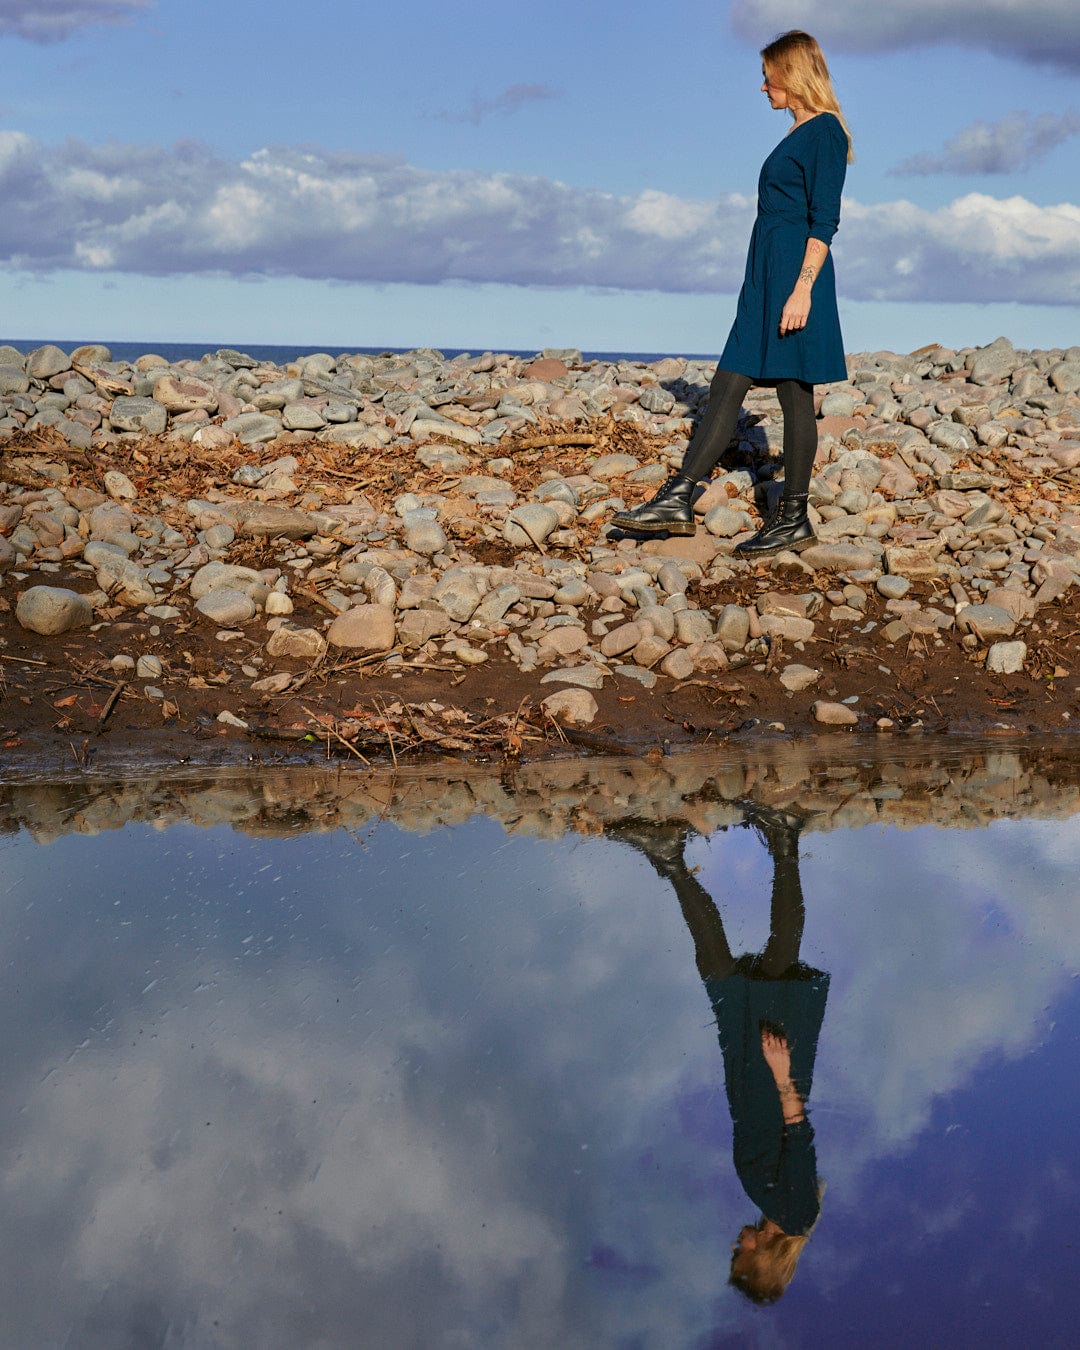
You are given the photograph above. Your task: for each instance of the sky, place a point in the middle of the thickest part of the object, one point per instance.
(572, 173)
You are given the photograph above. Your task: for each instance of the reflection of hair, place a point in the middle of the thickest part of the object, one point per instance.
(766, 1270)
(799, 66)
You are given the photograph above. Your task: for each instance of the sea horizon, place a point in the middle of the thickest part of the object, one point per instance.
(280, 353)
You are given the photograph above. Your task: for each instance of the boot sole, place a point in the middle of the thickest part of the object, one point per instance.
(642, 527)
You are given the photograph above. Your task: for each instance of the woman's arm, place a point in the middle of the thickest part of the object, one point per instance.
(797, 307)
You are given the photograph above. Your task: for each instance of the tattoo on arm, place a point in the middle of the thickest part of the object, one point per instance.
(808, 275)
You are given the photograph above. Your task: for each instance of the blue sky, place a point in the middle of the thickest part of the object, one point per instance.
(576, 174)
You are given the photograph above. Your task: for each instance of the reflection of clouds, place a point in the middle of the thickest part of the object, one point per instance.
(461, 1089)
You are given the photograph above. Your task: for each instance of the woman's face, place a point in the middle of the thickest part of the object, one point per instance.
(778, 97)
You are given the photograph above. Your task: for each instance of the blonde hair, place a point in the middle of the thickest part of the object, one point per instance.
(765, 1271)
(799, 65)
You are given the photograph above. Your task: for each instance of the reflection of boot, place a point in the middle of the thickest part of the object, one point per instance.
(663, 844)
(777, 829)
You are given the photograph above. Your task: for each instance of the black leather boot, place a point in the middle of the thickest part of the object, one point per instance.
(789, 528)
(669, 512)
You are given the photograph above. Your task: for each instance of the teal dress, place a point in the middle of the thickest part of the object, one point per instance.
(776, 1163)
(798, 199)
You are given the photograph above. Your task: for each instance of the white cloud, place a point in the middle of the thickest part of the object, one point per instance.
(312, 214)
(1014, 143)
(58, 19)
(1042, 31)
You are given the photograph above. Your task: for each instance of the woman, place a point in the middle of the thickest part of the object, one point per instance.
(786, 330)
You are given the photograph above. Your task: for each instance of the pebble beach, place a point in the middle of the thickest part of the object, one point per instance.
(223, 546)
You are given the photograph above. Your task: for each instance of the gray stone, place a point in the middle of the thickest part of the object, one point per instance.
(1065, 377)
(13, 380)
(660, 619)
(138, 414)
(119, 486)
(678, 664)
(575, 707)
(797, 678)
(426, 537)
(613, 466)
(994, 363)
(834, 714)
(786, 626)
(494, 605)
(838, 403)
(725, 523)
(733, 628)
(457, 594)
(253, 428)
(893, 588)
(649, 651)
(123, 580)
(527, 526)
(226, 607)
(646, 678)
(693, 626)
(839, 557)
(301, 644)
(986, 621)
(1006, 658)
(564, 641)
(302, 417)
(181, 394)
(574, 591)
(45, 362)
(257, 520)
(366, 629)
(53, 609)
(149, 668)
(219, 575)
(582, 677)
(622, 639)
(418, 626)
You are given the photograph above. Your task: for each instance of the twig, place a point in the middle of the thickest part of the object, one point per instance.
(26, 660)
(563, 438)
(110, 702)
(332, 731)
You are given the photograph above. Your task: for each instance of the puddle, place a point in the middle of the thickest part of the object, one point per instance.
(451, 1058)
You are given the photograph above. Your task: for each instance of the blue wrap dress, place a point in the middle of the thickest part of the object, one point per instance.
(798, 199)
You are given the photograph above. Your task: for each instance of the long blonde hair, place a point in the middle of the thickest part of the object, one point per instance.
(799, 65)
(765, 1271)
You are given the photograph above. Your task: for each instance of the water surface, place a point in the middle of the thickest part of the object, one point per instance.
(318, 1060)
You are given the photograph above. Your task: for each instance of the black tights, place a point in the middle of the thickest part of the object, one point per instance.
(717, 426)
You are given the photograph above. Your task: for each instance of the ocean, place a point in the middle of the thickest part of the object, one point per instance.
(281, 355)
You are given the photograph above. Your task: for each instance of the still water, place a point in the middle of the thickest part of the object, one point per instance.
(307, 1058)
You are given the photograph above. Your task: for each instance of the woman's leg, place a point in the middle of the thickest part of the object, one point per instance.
(791, 528)
(671, 511)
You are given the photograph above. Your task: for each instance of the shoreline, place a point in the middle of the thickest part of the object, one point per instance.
(371, 557)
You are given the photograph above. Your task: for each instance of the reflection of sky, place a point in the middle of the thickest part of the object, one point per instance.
(462, 1089)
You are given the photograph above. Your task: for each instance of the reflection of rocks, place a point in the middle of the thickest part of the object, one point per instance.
(580, 796)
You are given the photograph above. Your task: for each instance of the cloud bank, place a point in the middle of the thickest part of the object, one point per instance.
(1042, 31)
(318, 215)
(59, 19)
(1014, 143)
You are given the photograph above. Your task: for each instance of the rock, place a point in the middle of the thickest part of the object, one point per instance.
(986, 621)
(659, 618)
(912, 562)
(622, 639)
(725, 523)
(457, 594)
(527, 526)
(834, 714)
(786, 626)
(257, 520)
(184, 394)
(123, 580)
(574, 707)
(45, 362)
(13, 380)
(1065, 377)
(838, 403)
(1006, 658)
(693, 626)
(227, 607)
(583, 677)
(277, 602)
(837, 557)
(149, 668)
(108, 519)
(426, 537)
(613, 466)
(678, 664)
(366, 629)
(138, 414)
(218, 575)
(733, 628)
(418, 626)
(49, 610)
(494, 605)
(649, 651)
(119, 486)
(273, 684)
(892, 587)
(252, 428)
(302, 417)
(563, 641)
(796, 678)
(646, 678)
(301, 644)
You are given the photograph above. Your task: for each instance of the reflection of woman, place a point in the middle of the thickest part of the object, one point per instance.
(769, 1008)
(786, 330)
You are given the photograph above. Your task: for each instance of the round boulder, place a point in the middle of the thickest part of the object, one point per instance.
(367, 630)
(53, 609)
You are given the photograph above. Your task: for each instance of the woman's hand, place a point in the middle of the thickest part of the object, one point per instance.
(796, 310)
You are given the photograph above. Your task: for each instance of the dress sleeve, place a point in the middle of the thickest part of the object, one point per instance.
(825, 170)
